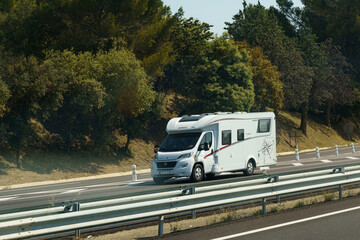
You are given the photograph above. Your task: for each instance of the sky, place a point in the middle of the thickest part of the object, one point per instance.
(215, 12)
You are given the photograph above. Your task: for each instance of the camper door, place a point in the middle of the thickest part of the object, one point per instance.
(206, 150)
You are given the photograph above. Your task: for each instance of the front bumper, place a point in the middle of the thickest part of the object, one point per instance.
(182, 168)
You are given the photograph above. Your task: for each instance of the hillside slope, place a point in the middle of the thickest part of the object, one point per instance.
(49, 165)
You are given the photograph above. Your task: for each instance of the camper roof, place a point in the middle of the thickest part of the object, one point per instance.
(197, 122)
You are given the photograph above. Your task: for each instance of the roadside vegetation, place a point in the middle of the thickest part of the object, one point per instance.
(45, 165)
(86, 87)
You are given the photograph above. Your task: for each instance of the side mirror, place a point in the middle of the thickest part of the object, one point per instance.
(156, 148)
(206, 146)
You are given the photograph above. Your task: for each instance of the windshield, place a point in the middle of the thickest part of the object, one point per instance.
(179, 142)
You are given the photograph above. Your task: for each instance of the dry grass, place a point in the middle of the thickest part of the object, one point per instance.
(318, 135)
(44, 166)
(224, 215)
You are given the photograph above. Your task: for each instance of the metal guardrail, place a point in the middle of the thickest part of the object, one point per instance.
(69, 217)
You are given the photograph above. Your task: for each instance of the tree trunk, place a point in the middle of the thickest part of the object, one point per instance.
(18, 159)
(303, 125)
(127, 142)
(276, 112)
(328, 114)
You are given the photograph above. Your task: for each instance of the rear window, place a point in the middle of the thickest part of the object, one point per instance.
(264, 126)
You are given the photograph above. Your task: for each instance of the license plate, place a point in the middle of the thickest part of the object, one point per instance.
(164, 172)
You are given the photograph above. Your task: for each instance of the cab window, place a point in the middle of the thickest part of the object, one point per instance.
(206, 138)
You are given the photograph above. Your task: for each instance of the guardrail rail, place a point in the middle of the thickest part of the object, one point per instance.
(69, 217)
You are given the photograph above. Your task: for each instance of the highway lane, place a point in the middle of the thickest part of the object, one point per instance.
(327, 221)
(106, 188)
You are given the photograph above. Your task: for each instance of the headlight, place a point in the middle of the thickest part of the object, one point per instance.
(184, 156)
(156, 157)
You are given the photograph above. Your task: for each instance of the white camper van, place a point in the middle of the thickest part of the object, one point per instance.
(204, 145)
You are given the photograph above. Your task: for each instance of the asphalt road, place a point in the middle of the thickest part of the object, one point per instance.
(337, 220)
(97, 189)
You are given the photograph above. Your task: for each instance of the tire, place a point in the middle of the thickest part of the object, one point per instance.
(159, 180)
(250, 168)
(197, 174)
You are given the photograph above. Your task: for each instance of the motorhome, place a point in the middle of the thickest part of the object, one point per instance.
(200, 146)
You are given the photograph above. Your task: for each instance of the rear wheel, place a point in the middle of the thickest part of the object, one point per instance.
(250, 168)
(197, 174)
(159, 180)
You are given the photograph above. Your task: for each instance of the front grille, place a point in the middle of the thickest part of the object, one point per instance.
(166, 164)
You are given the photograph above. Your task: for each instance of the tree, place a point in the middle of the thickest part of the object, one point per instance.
(28, 89)
(190, 39)
(74, 76)
(129, 91)
(338, 20)
(225, 80)
(331, 71)
(99, 92)
(334, 88)
(259, 27)
(266, 78)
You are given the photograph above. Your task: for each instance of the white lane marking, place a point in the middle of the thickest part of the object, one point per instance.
(6, 199)
(287, 224)
(72, 191)
(326, 161)
(352, 158)
(297, 164)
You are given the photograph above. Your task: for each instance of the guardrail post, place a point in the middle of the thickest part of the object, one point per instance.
(134, 177)
(317, 152)
(276, 179)
(341, 187)
(297, 154)
(76, 208)
(336, 150)
(190, 191)
(264, 206)
(352, 147)
(193, 212)
(161, 226)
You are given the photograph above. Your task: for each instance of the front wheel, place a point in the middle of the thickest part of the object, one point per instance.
(197, 174)
(250, 168)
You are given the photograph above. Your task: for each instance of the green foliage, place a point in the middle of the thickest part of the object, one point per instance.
(266, 78)
(4, 96)
(74, 79)
(225, 80)
(124, 79)
(190, 41)
(259, 27)
(25, 102)
(338, 20)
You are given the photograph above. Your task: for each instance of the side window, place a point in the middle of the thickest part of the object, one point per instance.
(264, 125)
(240, 134)
(206, 138)
(226, 137)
